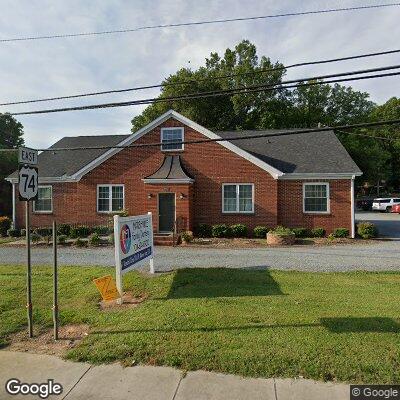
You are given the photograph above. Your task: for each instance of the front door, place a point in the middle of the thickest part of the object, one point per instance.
(166, 212)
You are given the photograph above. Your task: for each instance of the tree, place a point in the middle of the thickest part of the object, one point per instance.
(11, 132)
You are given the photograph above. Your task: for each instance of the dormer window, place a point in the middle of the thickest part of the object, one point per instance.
(171, 139)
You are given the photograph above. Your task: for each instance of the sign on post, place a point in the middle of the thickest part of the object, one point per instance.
(28, 182)
(27, 156)
(133, 241)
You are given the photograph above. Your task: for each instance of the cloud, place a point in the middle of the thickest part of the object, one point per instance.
(67, 66)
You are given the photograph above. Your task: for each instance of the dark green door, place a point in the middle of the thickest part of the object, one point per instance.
(166, 212)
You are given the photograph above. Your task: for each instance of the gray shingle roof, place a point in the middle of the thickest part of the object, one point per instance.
(171, 168)
(312, 152)
(60, 163)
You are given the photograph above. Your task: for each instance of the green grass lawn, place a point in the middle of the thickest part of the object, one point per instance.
(4, 240)
(338, 326)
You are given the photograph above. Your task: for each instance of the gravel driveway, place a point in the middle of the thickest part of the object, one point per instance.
(382, 255)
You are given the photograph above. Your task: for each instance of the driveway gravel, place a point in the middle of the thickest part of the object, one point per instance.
(380, 255)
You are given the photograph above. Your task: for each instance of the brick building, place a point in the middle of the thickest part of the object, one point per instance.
(301, 180)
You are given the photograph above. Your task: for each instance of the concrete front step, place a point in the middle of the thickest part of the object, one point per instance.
(164, 239)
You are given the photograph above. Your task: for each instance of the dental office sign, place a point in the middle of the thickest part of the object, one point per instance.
(133, 238)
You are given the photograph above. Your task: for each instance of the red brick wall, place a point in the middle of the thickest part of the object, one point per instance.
(290, 206)
(211, 165)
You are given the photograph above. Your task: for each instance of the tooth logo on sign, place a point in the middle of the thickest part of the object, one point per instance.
(125, 239)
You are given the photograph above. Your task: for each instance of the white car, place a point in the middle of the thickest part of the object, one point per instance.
(384, 204)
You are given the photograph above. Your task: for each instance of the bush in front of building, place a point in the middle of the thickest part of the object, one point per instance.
(13, 233)
(94, 240)
(64, 229)
(5, 225)
(61, 239)
(111, 238)
(340, 233)
(260, 232)
(302, 232)
(318, 232)
(203, 231)
(35, 238)
(44, 232)
(102, 230)
(187, 236)
(79, 242)
(80, 231)
(367, 230)
(221, 231)
(239, 230)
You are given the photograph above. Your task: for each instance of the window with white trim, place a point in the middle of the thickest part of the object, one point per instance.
(237, 198)
(169, 137)
(44, 202)
(110, 198)
(316, 197)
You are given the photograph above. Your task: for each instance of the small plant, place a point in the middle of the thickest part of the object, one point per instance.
(61, 239)
(187, 236)
(221, 231)
(111, 238)
(204, 231)
(281, 231)
(13, 233)
(102, 230)
(367, 230)
(35, 238)
(340, 233)
(301, 232)
(260, 232)
(23, 232)
(94, 240)
(80, 243)
(80, 231)
(239, 230)
(44, 232)
(5, 225)
(64, 229)
(47, 238)
(318, 232)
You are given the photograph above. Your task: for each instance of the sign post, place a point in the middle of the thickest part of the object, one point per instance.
(133, 241)
(55, 282)
(28, 182)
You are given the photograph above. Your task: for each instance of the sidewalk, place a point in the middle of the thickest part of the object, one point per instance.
(112, 382)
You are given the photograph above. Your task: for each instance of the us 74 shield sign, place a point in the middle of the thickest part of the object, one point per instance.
(28, 182)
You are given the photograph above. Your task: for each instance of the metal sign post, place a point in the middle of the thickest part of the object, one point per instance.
(55, 282)
(28, 182)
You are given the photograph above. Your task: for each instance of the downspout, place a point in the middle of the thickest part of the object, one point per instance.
(353, 222)
(13, 206)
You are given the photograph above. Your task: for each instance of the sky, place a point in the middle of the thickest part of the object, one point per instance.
(58, 67)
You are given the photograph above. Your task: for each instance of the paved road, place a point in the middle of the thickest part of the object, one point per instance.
(388, 224)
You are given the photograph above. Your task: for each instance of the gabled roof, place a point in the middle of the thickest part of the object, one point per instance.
(306, 155)
(171, 170)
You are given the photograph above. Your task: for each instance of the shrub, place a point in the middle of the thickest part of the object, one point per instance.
(64, 229)
(79, 232)
(260, 232)
(301, 232)
(340, 233)
(44, 232)
(239, 230)
(94, 239)
(111, 238)
(187, 236)
(204, 230)
(318, 232)
(221, 231)
(80, 243)
(23, 232)
(5, 225)
(367, 230)
(13, 233)
(281, 231)
(61, 239)
(35, 237)
(102, 230)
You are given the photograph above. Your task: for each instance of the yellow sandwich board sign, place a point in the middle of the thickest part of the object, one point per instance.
(106, 287)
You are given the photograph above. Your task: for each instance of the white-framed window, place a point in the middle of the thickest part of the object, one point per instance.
(110, 198)
(169, 137)
(44, 202)
(237, 198)
(316, 198)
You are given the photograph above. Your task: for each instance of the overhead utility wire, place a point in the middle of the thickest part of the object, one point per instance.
(211, 78)
(195, 23)
(255, 136)
(248, 89)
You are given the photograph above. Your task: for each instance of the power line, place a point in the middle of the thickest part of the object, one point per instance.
(211, 78)
(255, 136)
(196, 23)
(245, 90)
